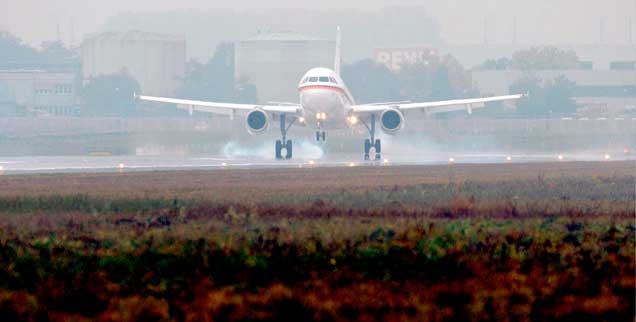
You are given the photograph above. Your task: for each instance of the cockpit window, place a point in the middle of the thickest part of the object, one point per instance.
(313, 79)
(333, 80)
(305, 80)
(324, 79)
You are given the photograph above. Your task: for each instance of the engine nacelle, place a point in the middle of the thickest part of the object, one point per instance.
(392, 121)
(257, 121)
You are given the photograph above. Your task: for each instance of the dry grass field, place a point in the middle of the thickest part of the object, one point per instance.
(508, 242)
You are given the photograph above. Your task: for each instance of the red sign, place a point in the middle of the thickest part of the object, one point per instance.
(394, 58)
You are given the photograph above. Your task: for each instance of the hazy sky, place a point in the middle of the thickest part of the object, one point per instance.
(461, 21)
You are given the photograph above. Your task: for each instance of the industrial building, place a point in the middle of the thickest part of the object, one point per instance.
(597, 92)
(40, 92)
(275, 62)
(156, 61)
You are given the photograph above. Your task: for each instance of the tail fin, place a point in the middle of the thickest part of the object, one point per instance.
(338, 59)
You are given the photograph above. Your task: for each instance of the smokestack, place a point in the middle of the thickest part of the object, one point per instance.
(514, 30)
(630, 31)
(485, 30)
(72, 33)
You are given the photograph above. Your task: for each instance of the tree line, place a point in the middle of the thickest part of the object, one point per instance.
(441, 79)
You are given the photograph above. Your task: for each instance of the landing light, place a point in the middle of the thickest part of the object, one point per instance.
(386, 161)
(508, 158)
(626, 150)
(121, 166)
(451, 160)
(353, 120)
(607, 157)
(560, 157)
(301, 119)
(351, 164)
(1, 168)
(224, 164)
(312, 162)
(321, 116)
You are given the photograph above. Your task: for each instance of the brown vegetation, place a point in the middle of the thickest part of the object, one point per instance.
(443, 243)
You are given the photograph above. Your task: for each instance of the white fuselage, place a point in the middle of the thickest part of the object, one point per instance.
(325, 99)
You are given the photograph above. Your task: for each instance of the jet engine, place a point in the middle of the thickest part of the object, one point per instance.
(257, 121)
(392, 121)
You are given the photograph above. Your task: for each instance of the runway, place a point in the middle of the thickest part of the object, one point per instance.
(93, 164)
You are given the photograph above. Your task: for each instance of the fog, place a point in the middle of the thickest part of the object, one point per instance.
(460, 21)
(474, 33)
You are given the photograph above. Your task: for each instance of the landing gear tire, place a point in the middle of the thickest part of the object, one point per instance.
(288, 147)
(378, 150)
(367, 149)
(321, 136)
(279, 149)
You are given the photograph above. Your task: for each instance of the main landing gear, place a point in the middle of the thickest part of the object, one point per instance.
(374, 143)
(284, 145)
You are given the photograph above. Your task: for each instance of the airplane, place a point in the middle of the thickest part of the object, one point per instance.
(327, 104)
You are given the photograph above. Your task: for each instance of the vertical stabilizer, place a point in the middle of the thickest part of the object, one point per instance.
(338, 59)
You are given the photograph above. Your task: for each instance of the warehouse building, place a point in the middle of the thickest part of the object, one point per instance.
(275, 62)
(156, 61)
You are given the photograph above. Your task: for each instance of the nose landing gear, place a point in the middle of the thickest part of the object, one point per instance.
(284, 143)
(320, 134)
(372, 142)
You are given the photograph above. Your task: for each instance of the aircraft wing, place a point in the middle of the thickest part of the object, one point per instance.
(220, 108)
(436, 107)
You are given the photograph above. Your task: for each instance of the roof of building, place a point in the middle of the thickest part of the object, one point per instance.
(284, 36)
(133, 36)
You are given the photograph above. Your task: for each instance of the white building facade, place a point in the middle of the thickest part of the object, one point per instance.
(45, 93)
(156, 61)
(275, 62)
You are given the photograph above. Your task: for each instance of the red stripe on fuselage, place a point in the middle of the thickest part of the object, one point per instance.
(332, 88)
